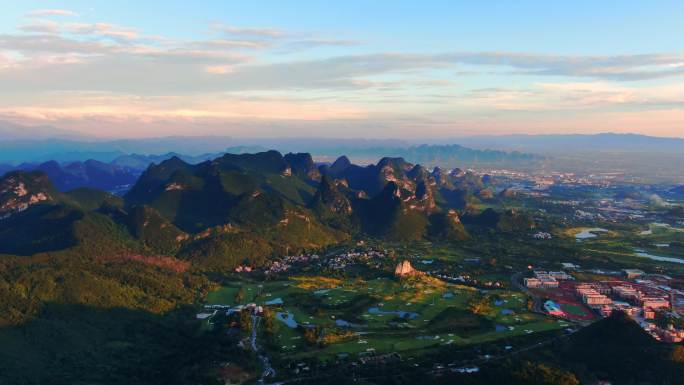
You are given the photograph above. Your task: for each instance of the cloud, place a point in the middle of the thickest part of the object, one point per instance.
(41, 26)
(110, 31)
(313, 43)
(51, 12)
(46, 43)
(233, 43)
(99, 72)
(578, 96)
(184, 68)
(220, 69)
(249, 32)
(618, 67)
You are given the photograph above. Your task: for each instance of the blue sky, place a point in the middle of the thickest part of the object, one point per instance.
(352, 68)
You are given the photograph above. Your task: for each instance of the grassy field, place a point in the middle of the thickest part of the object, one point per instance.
(384, 315)
(573, 310)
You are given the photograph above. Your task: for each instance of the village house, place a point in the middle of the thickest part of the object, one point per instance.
(632, 273)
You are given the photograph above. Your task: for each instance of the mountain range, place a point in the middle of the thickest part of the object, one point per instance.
(550, 144)
(242, 208)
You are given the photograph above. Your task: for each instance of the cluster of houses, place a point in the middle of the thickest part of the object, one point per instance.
(640, 302)
(341, 261)
(287, 262)
(640, 299)
(467, 280)
(648, 301)
(670, 334)
(546, 279)
(542, 235)
(630, 299)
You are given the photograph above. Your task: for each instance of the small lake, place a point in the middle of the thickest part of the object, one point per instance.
(643, 254)
(507, 312)
(589, 233)
(399, 313)
(287, 319)
(276, 301)
(345, 324)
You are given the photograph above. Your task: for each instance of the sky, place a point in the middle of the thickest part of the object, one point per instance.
(353, 68)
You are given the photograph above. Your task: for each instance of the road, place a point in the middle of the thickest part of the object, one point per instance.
(516, 282)
(268, 369)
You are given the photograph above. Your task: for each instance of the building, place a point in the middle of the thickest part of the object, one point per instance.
(596, 299)
(626, 292)
(655, 303)
(546, 279)
(632, 273)
(591, 295)
(532, 282)
(648, 313)
(560, 275)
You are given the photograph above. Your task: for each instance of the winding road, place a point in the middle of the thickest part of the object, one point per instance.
(268, 369)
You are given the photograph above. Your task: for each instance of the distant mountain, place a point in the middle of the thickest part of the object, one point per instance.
(140, 162)
(549, 144)
(136, 153)
(5, 168)
(14, 131)
(678, 191)
(79, 149)
(91, 174)
(449, 155)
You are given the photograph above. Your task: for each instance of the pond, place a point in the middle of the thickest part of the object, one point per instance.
(347, 324)
(643, 254)
(399, 313)
(276, 301)
(507, 312)
(589, 233)
(287, 319)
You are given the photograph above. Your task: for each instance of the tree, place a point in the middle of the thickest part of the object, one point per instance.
(246, 320)
(542, 374)
(677, 354)
(240, 296)
(313, 335)
(480, 304)
(270, 324)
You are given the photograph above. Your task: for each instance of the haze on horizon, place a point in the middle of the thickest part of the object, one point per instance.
(397, 69)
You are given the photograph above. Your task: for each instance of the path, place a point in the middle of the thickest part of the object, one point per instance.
(268, 369)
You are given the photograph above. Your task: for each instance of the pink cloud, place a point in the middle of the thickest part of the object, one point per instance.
(51, 12)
